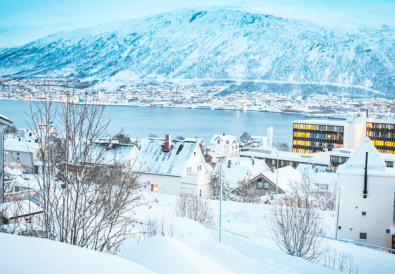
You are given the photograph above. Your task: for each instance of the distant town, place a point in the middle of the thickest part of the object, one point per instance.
(195, 97)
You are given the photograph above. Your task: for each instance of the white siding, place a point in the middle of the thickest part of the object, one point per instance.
(379, 207)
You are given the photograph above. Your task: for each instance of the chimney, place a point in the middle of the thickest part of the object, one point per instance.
(272, 169)
(223, 134)
(167, 146)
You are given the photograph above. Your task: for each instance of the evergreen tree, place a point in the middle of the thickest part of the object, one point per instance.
(215, 184)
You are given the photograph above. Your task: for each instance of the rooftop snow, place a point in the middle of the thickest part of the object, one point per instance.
(14, 145)
(285, 176)
(357, 159)
(152, 159)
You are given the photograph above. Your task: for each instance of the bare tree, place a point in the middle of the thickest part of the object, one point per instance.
(190, 206)
(122, 138)
(245, 137)
(281, 146)
(87, 198)
(151, 135)
(298, 231)
(246, 192)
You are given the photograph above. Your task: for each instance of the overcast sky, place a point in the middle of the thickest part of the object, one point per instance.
(35, 12)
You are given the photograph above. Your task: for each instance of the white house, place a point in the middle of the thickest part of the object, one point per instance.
(366, 191)
(21, 154)
(172, 166)
(224, 145)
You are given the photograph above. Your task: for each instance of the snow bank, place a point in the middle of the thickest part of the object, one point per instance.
(39, 256)
(163, 254)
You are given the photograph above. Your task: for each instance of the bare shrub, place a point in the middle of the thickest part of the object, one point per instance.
(298, 231)
(153, 227)
(339, 261)
(246, 192)
(190, 206)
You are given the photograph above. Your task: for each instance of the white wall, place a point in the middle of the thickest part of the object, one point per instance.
(379, 207)
(25, 158)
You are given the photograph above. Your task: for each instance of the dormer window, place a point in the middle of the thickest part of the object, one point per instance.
(194, 153)
(219, 141)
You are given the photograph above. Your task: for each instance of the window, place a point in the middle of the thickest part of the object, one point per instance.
(219, 141)
(200, 193)
(363, 213)
(259, 185)
(363, 236)
(189, 169)
(154, 187)
(199, 167)
(387, 231)
(194, 153)
(266, 185)
(17, 153)
(227, 142)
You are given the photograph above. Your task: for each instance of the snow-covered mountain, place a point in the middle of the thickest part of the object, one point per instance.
(217, 43)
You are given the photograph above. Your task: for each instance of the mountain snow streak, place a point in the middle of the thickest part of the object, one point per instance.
(214, 43)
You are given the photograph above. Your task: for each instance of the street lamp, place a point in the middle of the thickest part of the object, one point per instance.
(277, 182)
(220, 199)
(338, 210)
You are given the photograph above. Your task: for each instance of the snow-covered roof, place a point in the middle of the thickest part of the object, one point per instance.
(285, 176)
(319, 178)
(357, 159)
(15, 145)
(235, 173)
(163, 254)
(117, 153)
(152, 159)
(223, 138)
(42, 256)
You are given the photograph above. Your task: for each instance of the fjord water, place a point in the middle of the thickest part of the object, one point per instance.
(141, 121)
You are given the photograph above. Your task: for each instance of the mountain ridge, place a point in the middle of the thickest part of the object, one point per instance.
(215, 44)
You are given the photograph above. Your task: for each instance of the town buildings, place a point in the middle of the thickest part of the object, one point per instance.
(366, 198)
(4, 123)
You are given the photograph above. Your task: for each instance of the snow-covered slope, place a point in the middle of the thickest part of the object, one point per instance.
(167, 255)
(40, 256)
(221, 43)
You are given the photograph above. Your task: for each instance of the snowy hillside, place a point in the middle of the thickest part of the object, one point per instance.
(218, 43)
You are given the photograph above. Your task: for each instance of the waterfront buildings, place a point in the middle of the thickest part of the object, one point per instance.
(366, 199)
(310, 136)
(225, 145)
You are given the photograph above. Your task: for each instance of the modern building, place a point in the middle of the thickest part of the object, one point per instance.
(172, 166)
(366, 198)
(4, 123)
(311, 136)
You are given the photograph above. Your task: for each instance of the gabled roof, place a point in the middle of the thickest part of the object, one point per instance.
(223, 138)
(357, 159)
(152, 159)
(285, 176)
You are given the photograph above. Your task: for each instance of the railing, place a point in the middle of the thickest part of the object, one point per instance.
(211, 227)
(375, 247)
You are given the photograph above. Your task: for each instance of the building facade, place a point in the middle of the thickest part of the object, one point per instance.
(311, 136)
(366, 198)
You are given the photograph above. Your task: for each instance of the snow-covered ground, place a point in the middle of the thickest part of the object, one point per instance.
(258, 253)
(20, 254)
